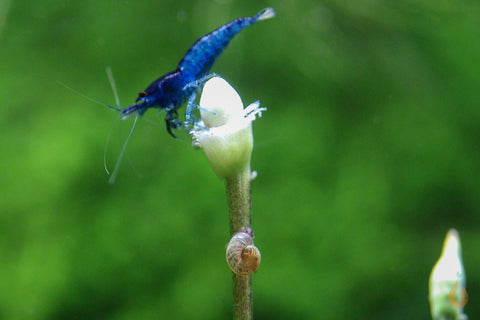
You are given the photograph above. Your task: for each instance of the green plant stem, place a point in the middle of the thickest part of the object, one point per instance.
(239, 200)
(240, 204)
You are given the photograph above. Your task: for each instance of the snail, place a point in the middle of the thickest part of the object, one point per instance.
(242, 256)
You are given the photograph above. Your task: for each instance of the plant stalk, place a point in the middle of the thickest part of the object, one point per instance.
(239, 203)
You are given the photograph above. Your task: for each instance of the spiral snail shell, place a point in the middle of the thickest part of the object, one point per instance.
(242, 256)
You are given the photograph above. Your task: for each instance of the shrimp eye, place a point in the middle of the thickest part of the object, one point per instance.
(142, 94)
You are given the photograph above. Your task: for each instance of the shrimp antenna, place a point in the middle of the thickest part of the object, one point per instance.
(109, 72)
(107, 143)
(113, 176)
(87, 97)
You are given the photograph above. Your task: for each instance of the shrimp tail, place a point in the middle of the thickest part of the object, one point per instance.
(202, 54)
(266, 13)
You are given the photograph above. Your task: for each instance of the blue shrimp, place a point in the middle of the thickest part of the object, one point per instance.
(172, 90)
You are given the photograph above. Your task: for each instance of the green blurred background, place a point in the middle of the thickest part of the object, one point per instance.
(368, 154)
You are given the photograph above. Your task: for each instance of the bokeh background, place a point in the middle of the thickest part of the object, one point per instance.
(368, 154)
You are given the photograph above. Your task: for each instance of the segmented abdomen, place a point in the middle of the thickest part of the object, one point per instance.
(202, 55)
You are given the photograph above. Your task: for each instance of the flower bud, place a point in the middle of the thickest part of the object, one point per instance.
(447, 281)
(225, 133)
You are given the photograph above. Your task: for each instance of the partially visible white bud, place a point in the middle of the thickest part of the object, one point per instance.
(226, 132)
(448, 295)
(219, 103)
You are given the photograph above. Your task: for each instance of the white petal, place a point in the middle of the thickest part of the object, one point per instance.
(219, 103)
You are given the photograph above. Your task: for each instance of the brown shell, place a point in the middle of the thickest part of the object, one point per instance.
(242, 256)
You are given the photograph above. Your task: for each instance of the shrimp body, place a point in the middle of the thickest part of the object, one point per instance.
(172, 90)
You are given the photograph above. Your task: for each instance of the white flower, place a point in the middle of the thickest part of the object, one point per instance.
(447, 281)
(225, 132)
